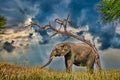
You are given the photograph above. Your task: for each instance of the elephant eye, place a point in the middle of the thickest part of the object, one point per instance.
(62, 46)
(58, 49)
(65, 49)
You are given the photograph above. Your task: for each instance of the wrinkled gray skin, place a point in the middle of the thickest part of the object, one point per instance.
(74, 53)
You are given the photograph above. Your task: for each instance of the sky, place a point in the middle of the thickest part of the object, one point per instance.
(82, 13)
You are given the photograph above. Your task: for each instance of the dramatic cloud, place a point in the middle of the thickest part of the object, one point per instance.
(84, 17)
(43, 12)
(17, 11)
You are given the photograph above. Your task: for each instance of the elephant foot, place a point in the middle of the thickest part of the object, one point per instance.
(89, 70)
(68, 71)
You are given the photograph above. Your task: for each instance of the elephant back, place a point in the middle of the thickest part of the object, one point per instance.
(81, 48)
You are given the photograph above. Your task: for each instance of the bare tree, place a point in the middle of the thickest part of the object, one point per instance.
(63, 23)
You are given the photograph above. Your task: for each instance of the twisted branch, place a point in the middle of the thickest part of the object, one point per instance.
(63, 23)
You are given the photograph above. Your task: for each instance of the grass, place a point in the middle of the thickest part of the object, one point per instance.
(14, 72)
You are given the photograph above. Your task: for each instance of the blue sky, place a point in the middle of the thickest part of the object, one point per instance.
(82, 13)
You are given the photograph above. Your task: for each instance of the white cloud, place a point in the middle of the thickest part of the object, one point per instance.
(76, 30)
(20, 37)
(89, 37)
(28, 21)
(117, 29)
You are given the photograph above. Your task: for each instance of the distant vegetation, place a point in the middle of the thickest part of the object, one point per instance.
(15, 72)
(2, 23)
(109, 10)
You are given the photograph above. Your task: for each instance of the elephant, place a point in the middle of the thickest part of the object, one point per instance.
(79, 54)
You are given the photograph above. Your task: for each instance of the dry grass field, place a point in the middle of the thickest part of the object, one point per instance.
(14, 72)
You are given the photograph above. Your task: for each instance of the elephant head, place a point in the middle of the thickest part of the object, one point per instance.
(60, 49)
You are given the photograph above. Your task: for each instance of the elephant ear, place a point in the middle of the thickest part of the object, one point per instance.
(67, 46)
(65, 49)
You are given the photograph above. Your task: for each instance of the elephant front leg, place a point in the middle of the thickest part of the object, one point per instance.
(68, 64)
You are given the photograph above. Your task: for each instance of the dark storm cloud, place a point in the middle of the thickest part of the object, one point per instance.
(108, 36)
(82, 12)
(116, 41)
(17, 11)
(50, 8)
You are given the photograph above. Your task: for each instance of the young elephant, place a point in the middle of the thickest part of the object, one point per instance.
(75, 53)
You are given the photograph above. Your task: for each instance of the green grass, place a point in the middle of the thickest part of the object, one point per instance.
(14, 72)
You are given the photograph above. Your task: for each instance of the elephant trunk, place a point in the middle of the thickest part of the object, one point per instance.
(51, 58)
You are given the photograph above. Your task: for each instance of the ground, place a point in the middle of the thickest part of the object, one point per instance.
(10, 71)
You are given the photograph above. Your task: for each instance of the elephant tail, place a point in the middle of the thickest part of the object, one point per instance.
(97, 61)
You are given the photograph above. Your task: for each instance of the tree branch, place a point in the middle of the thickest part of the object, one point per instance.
(63, 23)
(74, 36)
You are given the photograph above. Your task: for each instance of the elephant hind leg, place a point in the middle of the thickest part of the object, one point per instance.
(90, 64)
